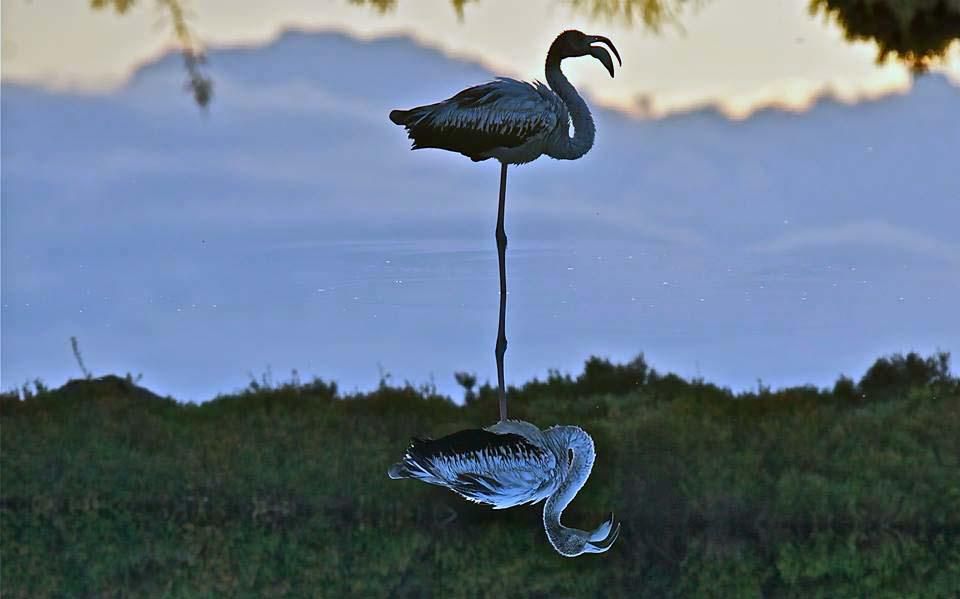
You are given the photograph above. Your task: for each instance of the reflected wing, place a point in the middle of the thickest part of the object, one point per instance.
(502, 470)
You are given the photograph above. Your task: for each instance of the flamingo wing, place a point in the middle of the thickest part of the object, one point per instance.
(504, 113)
(502, 470)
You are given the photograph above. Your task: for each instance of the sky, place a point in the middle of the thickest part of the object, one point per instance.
(290, 227)
(738, 54)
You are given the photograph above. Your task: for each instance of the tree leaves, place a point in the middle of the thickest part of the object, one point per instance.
(198, 83)
(917, 32)
(120, 6)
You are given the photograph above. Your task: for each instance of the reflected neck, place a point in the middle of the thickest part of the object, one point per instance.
(567, 438)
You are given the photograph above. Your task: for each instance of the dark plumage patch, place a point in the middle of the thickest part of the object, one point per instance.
(467, 441)
(457, 124)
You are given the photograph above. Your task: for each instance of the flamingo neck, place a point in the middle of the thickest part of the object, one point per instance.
(567, 438)
(569, 148)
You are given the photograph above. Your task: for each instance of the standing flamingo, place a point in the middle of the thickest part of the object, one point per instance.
(515, 122)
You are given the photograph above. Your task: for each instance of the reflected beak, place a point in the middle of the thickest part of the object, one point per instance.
(603, 530)
(604, 545)
(601, 54)
(603, 537)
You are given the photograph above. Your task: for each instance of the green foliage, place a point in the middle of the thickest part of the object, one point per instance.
(652, 13)
(898, 374)
(281, 489)
(75, 346)
(120, 6)
(198, 84)
(467, 381)
(916, 31)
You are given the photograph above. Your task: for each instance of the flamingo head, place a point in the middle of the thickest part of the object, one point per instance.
(571, 542)
(572, 43)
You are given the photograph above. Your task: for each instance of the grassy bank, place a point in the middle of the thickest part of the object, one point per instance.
(108, 489)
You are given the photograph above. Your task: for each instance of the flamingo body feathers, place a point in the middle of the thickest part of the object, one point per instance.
(500, 470)
(506, 119)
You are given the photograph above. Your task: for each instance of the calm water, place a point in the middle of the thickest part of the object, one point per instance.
(422, 310)
(281, 232)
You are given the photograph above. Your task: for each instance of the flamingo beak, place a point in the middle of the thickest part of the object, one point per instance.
(601, 54)
(603, 537)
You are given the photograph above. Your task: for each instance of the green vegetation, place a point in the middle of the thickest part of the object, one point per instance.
(918, 32)
(108, 489)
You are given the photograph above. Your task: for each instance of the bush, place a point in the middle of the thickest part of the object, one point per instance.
(897, 374)
(108, 489)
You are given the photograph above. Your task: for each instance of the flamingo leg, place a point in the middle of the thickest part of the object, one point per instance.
(502, 252)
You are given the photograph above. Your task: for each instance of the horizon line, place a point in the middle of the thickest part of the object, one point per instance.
(640, 110)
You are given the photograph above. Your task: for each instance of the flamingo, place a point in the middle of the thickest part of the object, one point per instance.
(514, 122)
(513, 463)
